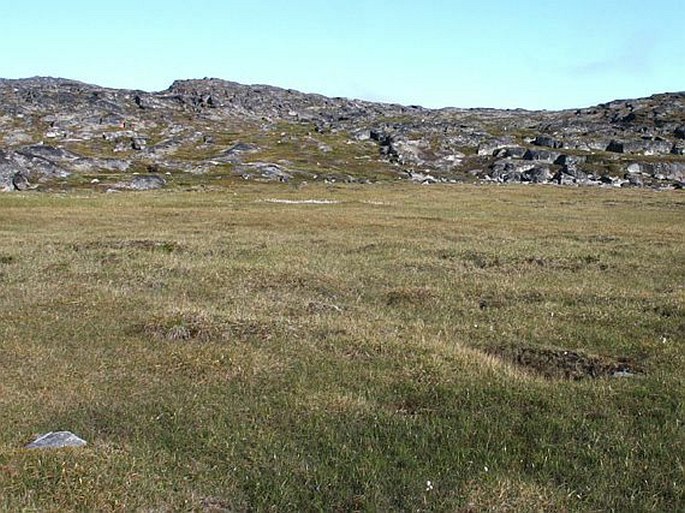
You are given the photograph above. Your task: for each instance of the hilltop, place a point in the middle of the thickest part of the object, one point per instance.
(58, 133)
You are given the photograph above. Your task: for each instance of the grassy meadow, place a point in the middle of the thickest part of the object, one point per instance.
(397, 348)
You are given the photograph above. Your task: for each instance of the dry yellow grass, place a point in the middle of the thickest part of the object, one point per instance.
(222, 352)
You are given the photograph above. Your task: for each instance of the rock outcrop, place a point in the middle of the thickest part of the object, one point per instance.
(57, 133)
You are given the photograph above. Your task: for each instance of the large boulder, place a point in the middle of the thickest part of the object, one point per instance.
(512, 177)
(386, 143)
(89, 164)
(508, 165)
(147, 182)
(678, 148)
(541, 156)
(7, 171)
(642, 146)
(488, 148)
(616, 147)
(47, 152)
(42, 161)
(570, 176)
(411, 151)
(274, 172)
(547, 141)
(20, 182)
(516, 152)
(570, 161)
(674, 171)
(539, 174)
(423, 178)
(562, 178)
(138, 143)
(634, 179)
(510, 170)
(235, 153)
(13, 175)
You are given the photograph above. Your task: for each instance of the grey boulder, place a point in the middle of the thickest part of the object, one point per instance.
(660, 170)
(547, 141)
(642, 146)
(515, 152)
(57, 440)
(13, 175)
(147, 182)
(541, 156)
(537, 175)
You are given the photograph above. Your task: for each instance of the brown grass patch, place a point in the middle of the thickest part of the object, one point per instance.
(403, 296)
(199, 326)
(508, 496)
(164, 246)
(182, 326)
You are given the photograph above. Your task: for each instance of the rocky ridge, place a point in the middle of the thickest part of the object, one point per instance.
(57, 133)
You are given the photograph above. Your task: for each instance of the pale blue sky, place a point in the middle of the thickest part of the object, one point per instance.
(489, 53)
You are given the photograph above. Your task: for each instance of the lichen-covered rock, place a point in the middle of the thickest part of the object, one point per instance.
(538, 174)
(20, 182)
(504, 166)
(541, 156)
(674, 171)
(138, 143)
(47, 152)
(488, 148)
(643, 146)
(515, 152)
(7, 172)
(561, 177)
(14, 175)
(549, 142)
(678, 148)
(147, 182)
(571, 161)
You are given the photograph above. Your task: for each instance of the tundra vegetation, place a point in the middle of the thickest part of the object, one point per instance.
(382, 348)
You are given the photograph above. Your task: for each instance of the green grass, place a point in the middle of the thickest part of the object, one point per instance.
(224, 353)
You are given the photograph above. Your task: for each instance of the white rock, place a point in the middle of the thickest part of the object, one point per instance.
(56, 440)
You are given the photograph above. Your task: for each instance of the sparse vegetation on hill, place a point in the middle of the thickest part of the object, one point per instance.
(55, 132)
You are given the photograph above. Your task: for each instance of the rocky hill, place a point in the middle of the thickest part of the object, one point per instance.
(57, 134)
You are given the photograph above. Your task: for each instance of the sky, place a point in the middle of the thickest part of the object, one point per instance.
(531, 54)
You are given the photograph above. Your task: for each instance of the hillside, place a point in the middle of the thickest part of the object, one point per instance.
(57, 133)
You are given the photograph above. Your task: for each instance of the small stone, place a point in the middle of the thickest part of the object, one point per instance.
(56, 440)
(622, 374)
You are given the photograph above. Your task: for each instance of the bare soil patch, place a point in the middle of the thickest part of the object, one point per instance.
(564, 364)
